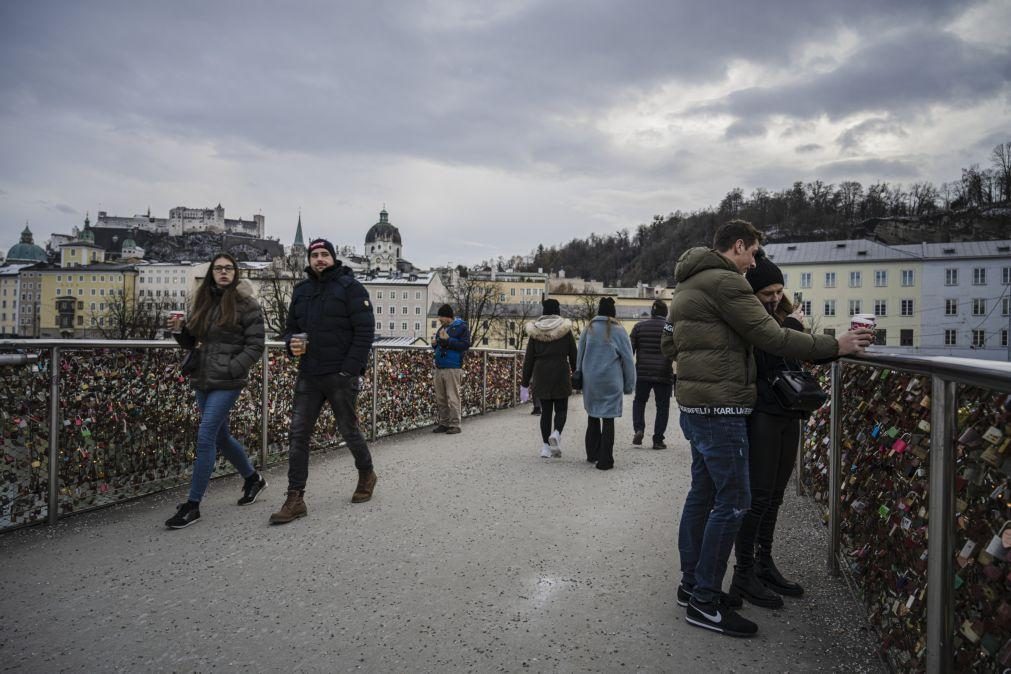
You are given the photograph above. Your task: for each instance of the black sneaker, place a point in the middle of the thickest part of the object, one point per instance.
(440, 429)
(535, 411)
(685, 594)
(659, 444)
(637, 438)
(186, 514)
(719, 617)
(251, 488)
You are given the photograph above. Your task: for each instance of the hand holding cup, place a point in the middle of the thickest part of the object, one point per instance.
(299, 343)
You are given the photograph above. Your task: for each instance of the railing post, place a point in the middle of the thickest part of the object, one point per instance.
(54, 435)
(484, 382)
(800, 458)
(265, 403)
(835, 470)
(941, 525)
(375, 392)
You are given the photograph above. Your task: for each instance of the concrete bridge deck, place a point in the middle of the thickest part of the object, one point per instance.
(474, 555)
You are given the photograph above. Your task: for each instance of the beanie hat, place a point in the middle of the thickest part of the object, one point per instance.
(551, 307)
(316, 244)
(446, 311)
(606, 307)
(659, 309)
(764, 274)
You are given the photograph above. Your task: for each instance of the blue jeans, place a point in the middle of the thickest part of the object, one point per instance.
(213, 435)
(662, 393)
(717, 502)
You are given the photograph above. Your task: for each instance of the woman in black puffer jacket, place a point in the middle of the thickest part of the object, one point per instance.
(773, 434)
(549, 362)
(225, 333)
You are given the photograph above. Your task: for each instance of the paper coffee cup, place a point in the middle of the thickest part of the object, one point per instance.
(868, 321)
(173, 315)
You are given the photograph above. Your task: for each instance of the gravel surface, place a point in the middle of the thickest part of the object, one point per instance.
(474, 555)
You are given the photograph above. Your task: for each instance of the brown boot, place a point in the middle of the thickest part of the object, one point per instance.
(293, 508)
(366, 483)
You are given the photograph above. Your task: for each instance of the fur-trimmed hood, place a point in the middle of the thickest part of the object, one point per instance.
(549, 328)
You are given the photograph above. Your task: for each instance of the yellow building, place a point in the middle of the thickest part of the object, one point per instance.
(833, 280)
(83, 302)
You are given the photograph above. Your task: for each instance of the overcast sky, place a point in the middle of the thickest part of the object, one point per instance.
(485, 128)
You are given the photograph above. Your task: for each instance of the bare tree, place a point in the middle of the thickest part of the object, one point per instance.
(478, 303)
(582, 310)
(511, 328)
(127, 318)
(1001, 157)
(275, 285)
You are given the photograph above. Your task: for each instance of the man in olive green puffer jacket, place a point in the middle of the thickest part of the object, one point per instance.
(714, 323)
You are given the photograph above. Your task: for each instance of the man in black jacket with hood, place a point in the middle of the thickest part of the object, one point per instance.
(334, 310)
(653, 372)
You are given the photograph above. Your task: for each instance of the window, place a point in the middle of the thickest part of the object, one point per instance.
(417, 294)
(786, 280)
(855, 281)
(80, 306)
(880, 307)
(950, 338)
(905, 337)
(403, 310)
(484, 341)
(829, 331)
(881, 337)
(379, 309)
(435, 323)
(1005, 277)
(805, 279)
(830, 307)
(403, 326)
(393, 310)
(806, 306)
(979, 276)
(379, 295)
(881, 278)
(978, 339)
(512, 292)
(854, 307)
(950, 307)
(978, 307)
(951, 277)
(417, 311)
(1003, 337)
(403, 295)
(417, 327)
(1005, 305)
(501, 297)
(907, 277)
(907, 307)
(830, 279)
(80, 320)
(393, 326)
(379, 325)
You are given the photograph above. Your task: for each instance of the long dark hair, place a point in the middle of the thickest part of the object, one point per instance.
(199, 323)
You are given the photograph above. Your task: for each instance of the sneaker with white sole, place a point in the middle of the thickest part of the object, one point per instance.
(546, 451)
(555, 441)
(685, 595)
(719, 617)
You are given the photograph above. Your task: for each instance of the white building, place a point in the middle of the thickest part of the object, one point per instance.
(965, 298)
(401, 303)
(10, 291)
(167, 285)
(185, 220)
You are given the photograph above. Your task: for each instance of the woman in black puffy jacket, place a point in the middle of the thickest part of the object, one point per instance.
(225, 335)
(773, 434)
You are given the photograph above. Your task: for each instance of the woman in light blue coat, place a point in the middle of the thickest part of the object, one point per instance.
(605, 359)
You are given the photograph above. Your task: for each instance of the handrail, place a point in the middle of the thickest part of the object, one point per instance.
(969, 371)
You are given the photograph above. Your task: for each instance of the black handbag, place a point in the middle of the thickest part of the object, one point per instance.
(577, 380)
(798, 391)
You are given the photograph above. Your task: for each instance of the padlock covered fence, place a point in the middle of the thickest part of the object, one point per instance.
(118, 421)
(912, 466)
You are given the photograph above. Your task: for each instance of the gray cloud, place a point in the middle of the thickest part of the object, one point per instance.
(874, 168)
(853, 137)
(744, 129)
(807, 148)
(57, 207)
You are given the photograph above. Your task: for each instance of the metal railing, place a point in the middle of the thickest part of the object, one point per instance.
(930, 400)
(93, 405)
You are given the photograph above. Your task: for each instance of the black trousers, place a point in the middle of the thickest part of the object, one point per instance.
(771, 457)
(310, 394)
(661, 394)
(557, 407)
(600, 441)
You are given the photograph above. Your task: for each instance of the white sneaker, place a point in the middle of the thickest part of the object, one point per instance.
(555, 441)
(546, 452)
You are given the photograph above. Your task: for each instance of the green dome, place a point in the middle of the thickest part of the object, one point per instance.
(26, 252)
(128, 243)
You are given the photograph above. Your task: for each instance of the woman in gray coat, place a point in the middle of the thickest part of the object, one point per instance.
(224, 334)
(605, 359)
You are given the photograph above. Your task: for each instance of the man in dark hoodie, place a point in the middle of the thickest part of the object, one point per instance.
(653, 372)
(715, 321)
(334, 311)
